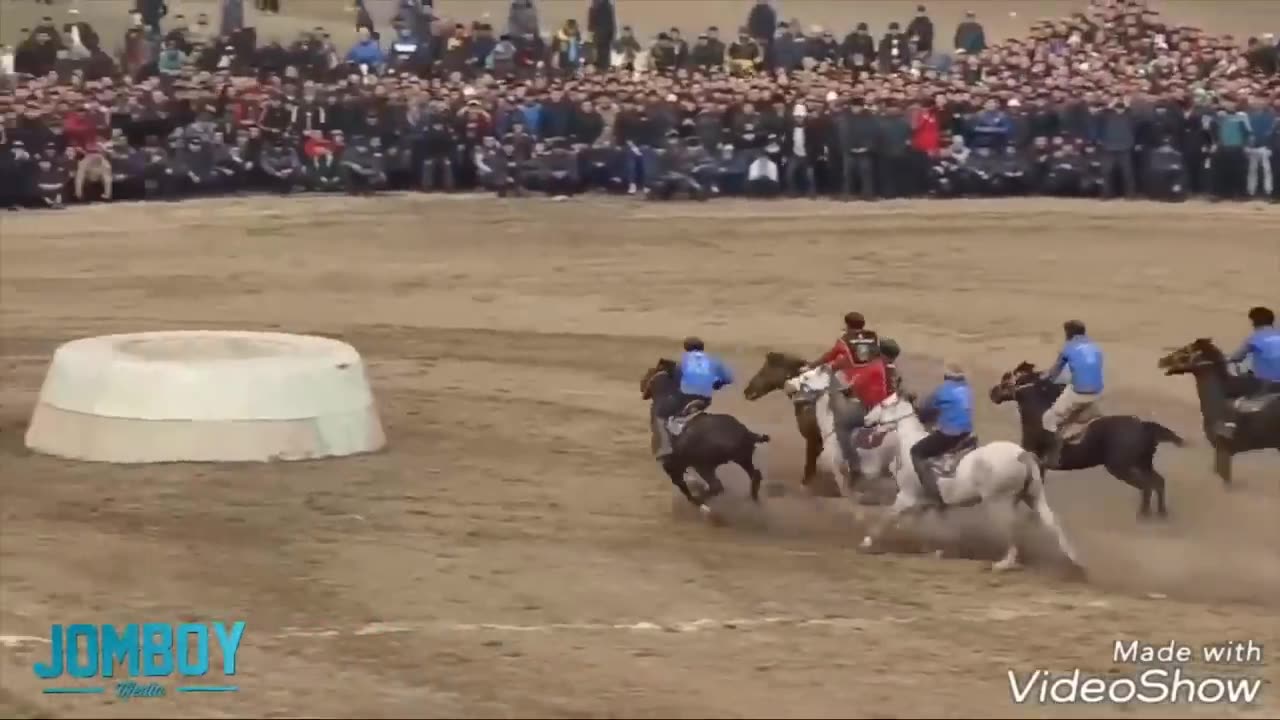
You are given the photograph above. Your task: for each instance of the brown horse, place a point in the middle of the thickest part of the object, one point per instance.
(778, 368)
(1224, 396)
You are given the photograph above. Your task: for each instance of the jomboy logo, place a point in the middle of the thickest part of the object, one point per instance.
(133, 656)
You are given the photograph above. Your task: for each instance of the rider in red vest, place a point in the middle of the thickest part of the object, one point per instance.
(856, 360)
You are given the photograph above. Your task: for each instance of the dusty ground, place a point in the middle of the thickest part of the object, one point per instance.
(516, 553)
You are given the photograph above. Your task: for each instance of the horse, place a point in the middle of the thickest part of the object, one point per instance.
(1124, 444)
(875, 451)
(706, 441)
(1222, 395)
(1000, 475)
(777, 369)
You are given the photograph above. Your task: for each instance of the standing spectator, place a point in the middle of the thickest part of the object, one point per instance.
(858, 51)
(708, 51)
(761, 22)
(970, 37)
(895, 54)
(801, 148)
(1116, 138)
(602, 24)
(566, 48)
(1231, 136)
(231, 17)
(1262, 135)
(522, 19)
(746, 55)
(366, 52)
(920, 32)
(626, 48)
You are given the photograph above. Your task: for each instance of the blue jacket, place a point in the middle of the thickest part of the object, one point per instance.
(1262, 126)
(367, 52)
(702, 374)
(1084, 359)
(1263, 347)
(533, 119)
(954, 401)
(1232, 129)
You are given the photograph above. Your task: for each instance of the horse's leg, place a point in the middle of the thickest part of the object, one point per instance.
(1045, 513)
(1222, 463)
(708, 475)
(748, 466)
(1004, 515)
(1138, 478)
(675, 470)
(812, 449)
(1157, 481)
(901, 504)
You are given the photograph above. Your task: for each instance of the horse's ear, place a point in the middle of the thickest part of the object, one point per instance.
(1024, 367)
(773, 358)
(1006, 377)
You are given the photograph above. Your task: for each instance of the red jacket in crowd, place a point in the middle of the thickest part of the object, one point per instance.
(80, 129)
(926, 135)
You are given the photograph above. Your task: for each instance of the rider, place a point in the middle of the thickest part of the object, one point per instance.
(855, 358)
(1084, 358)
(1262, 347)
(954, 401)
(701, 374)
(890, 351)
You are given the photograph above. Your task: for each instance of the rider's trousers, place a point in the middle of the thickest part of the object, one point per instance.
(848, 413)
(1070, 405)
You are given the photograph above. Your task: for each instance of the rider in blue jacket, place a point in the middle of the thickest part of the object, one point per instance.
(953, 400)
(1262, 349)
(701, 374)
(1083, 358)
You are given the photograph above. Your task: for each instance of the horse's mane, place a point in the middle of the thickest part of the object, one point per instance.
(1206, 346)
(784, 359)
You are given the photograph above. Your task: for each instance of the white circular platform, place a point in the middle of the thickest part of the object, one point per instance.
(205, 396)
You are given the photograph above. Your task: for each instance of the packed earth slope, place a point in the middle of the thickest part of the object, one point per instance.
(515, 551)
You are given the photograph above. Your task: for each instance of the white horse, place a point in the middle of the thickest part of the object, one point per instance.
(1000, 475)
(816, 385)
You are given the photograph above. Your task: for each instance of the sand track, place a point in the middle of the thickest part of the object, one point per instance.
(515, 553)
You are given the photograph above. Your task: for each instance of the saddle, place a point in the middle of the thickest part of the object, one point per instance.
(1254, 403)
(945, 465)
(678, 422)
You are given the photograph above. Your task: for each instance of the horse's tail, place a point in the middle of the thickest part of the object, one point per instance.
(1161, 434)
(759, 439)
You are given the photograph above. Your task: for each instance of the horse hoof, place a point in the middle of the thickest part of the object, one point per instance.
(1004, 567)
(1076, 573)
(774, 491)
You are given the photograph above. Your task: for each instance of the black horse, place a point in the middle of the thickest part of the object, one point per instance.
(1223, 397)
(707, 440)
(1124, 444)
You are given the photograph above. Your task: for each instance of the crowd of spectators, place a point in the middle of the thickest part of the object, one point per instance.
(1111, 102)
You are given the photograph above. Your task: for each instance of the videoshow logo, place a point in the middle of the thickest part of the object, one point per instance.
(133, 656)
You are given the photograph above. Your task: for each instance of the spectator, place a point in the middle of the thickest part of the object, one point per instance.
(1262, 136)
(1231, 135)
(970, 37)
(761, 22)
(920, 33)
(522, 19)
(602, 24)
(366, 53)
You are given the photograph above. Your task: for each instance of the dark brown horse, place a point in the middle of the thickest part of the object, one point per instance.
(1219, 392)
(708, 441)
(778, 368)
(1123, 444)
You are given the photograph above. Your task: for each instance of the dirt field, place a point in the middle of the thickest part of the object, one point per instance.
(515, 552)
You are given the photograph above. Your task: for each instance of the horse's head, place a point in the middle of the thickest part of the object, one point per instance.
(1196, 355)
(662, 367)
(808, 385)
(1011, 383)
(777, 369)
